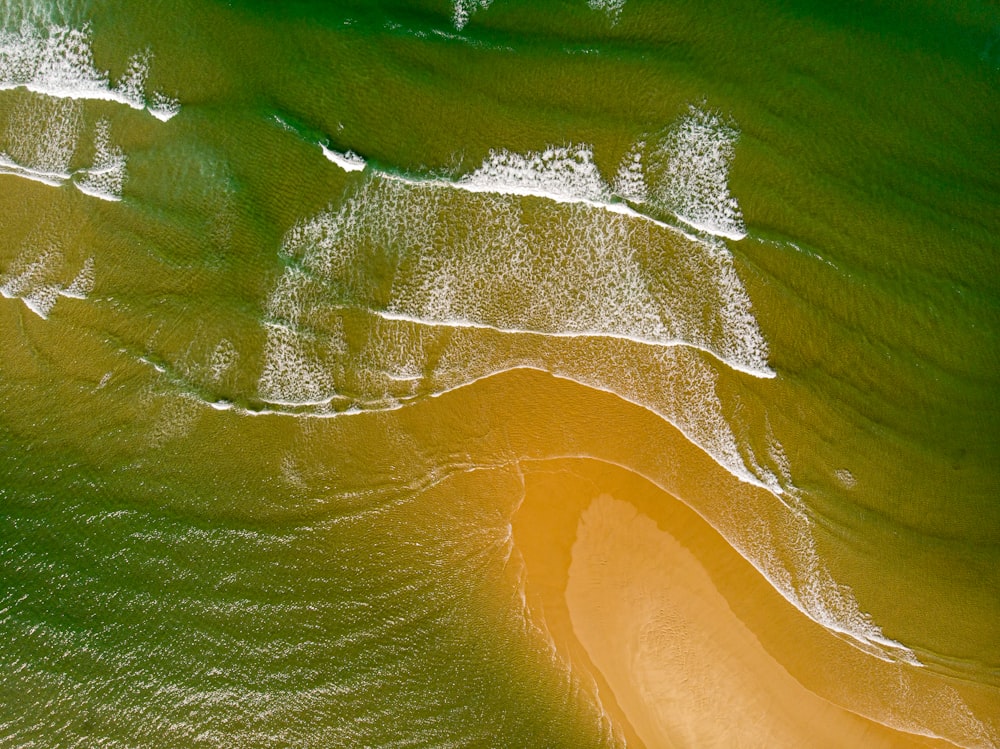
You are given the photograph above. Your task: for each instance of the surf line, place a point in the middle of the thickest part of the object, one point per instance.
(471, 186)
(53, 179)
(764, 373)
(162, 108)
(59, 179)
(348, 161)
(744, 475)
(58, 61)
(277, 407)
(351, 162)
(872, 643)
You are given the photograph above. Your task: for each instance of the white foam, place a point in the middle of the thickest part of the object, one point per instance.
(688, 173)
(588, 289)
(81, 286)
(223, 360)
(398, 355)
(284, 125)
(34, 279)
(557, 334)
(471, 265)
(845, 477)
(806, 582)
(87, 185)
(685, 175)
(348, 161)
(294, 373)
(569, 175)
(612, 7)
(132, 84)
(697, 415)
(585, 291)
(833, 605)
(106, 177)
(497, 271)
(630, 181)
(158, 367)
(58, 61)
(53, 179)
(463, 9)
(430, 290)
(526, 191)
(43, 136)
(95, 192)
(566, 173)
(38, 274)
(163, 107)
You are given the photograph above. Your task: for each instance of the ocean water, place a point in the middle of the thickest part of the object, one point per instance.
(295, 294)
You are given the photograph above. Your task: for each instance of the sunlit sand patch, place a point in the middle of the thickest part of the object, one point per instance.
(687, 645)
(685, 669)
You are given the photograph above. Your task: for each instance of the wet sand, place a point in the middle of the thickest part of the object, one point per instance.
(687, 645)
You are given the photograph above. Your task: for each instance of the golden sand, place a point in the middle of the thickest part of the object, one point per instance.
(641, 611)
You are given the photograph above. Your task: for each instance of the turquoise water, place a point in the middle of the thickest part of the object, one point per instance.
(276, 279)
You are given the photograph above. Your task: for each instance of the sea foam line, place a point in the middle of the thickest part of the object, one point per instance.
(621, 208)
(359, 408)
(689, 166)
(53, 179)
(60, 179)
(553, 292)
(437, 286)
(505, 173)
(58, 61)
(742, 474)
(162, 109)
(462, 10)
(389, 315)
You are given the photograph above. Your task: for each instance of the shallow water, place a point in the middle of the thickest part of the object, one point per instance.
(293, 294)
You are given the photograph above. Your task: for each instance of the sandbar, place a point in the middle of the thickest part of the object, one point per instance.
(640, 612)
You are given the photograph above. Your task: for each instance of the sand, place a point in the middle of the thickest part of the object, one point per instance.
(684, 668)
(643, 614)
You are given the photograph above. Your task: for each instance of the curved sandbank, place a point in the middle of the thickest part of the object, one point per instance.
(687, 645)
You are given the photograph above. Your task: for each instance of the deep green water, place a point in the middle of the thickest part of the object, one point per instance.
(232, 513)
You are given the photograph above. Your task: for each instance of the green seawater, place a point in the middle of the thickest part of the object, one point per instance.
(263, 418)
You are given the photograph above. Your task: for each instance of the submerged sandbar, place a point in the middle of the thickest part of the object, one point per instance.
(684, 642)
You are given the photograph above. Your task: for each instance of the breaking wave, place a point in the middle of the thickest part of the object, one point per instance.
(531, 260)
(42, 274)
(58, 61)
(43, 135)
